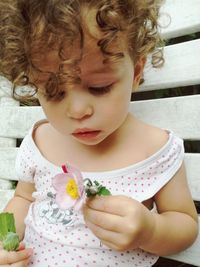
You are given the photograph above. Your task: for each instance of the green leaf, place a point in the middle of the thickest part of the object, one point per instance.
(95, 188)
(8, 236)
(11, 242)
(104, 191)
(88, 193)
(7, 224)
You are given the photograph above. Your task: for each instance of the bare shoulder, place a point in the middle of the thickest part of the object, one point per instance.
(50, 143)
(43, 135)
(153, 137)
(41, 130)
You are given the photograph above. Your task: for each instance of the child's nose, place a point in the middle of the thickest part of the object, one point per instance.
(79, 108)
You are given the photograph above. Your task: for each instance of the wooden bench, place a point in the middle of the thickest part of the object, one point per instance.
(180, 114)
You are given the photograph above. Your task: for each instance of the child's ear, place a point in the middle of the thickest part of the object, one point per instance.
(138, 72)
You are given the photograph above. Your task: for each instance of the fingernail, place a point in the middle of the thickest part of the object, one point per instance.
(21, 246)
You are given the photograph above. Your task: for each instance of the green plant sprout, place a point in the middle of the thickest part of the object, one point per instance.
(8, 235)
(95, 188)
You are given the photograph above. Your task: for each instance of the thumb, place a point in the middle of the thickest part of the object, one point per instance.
(21, 246)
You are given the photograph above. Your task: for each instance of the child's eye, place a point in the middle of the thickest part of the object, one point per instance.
(101, 90)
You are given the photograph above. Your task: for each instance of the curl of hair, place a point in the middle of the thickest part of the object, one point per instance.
(31, 27)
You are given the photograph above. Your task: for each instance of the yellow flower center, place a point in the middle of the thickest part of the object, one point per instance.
(72, 189)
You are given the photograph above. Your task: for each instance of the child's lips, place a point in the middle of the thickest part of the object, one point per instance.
(86, 133)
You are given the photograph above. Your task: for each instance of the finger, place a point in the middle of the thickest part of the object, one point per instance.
(104, 220)
(9, 257)
(21, 246)
(111, 204)
(110, 245)
(23, 263)
(104, 235)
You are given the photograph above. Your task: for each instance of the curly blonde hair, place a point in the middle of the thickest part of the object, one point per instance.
(31, 27)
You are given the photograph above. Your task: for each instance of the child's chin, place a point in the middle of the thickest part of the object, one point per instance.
(91, 142)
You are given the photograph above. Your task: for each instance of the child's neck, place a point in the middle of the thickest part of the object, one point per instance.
(110, 143)
(109, 154)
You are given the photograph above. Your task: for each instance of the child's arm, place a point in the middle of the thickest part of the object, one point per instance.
(123, 223)
(177, 221)
(19, 205)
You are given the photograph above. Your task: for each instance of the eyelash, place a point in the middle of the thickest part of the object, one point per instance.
(94, 90)
(100, 90)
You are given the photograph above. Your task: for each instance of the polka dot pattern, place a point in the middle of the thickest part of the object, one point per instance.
(61, 238)
(50, 253)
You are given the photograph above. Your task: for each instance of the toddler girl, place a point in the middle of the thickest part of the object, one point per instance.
(83, 59)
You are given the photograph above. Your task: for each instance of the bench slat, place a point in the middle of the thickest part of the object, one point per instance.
(7, 142)
(5, 196)
(179, 114)
(184, 15)
(16, 121)
(7, 163)
(181, 68)
(192, 164)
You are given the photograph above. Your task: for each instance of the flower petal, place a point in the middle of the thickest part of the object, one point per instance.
(79, 203)
(64, 188)
(60, 181)
(77, 176)
(64, 201)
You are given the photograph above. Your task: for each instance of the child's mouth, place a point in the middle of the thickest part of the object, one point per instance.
(86, 134)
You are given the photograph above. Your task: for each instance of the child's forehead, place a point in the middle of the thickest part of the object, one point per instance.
(90, 59)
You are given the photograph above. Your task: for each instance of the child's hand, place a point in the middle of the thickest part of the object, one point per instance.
(120, 222)
(19, 258)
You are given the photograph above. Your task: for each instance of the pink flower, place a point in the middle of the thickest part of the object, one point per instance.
(70, 192)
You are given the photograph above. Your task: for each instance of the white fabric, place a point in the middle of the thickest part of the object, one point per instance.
(61, 238)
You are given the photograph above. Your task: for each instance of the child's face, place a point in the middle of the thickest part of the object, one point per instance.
(98, 107)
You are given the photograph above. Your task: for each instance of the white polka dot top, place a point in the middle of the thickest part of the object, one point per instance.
(60, 237)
